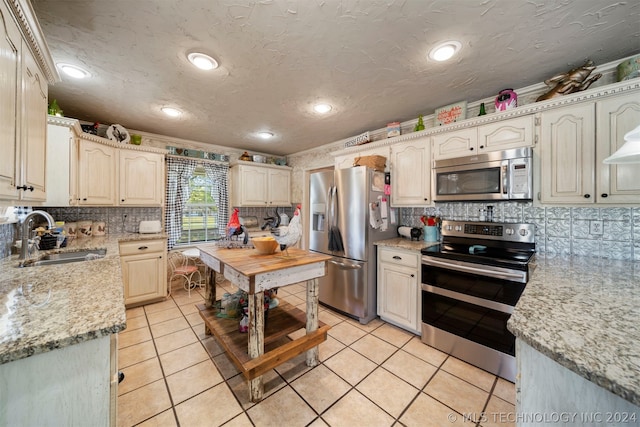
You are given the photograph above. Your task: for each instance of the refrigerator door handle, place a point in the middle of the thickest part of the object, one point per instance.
(346, 265)
(333, 193)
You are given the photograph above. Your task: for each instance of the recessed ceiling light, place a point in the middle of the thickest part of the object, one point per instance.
(445, 50)
(202, 61)
(169, 111)
(265, 135)
(73, 71)
(322, 108)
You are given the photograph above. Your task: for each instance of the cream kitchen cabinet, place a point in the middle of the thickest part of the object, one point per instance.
(260, 185)
(10, 44)
(614, 118)
(141, 178)
(574, 142)
(399, 288)
(97, 173)
(502, 135)
(144, 270)
(31, 174)
(23, 109)
(62, 162)
(411, 173)
(87, 170)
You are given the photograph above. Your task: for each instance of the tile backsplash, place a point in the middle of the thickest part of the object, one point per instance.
(113, 216)
(559, 230)
(7, 236)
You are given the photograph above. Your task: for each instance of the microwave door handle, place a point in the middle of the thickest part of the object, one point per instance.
(505, 179)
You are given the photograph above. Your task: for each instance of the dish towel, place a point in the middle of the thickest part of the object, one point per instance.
(335, 240)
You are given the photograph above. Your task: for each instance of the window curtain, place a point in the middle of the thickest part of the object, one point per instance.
(179, 171)
(218, 173)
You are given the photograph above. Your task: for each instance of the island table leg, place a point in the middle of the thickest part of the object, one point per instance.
(312, 319)
(256, 341)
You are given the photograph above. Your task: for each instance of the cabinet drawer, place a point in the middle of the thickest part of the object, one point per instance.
(400, 257)
(138, 247)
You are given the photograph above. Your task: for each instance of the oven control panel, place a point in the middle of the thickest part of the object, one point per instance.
(511, 232)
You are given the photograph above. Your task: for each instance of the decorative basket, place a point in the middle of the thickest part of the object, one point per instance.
(375, 162)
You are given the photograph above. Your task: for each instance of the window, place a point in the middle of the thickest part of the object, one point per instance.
(200, 214)
(197, 200)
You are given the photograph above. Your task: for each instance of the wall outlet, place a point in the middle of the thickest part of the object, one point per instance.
(596, 228)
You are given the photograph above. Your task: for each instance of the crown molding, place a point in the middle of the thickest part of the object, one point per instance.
(32, 34)
(74, 124)
(590, 95)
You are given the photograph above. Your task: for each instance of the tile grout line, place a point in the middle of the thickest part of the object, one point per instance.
(289, 383)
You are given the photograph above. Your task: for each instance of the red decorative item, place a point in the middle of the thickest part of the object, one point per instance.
(233, 226)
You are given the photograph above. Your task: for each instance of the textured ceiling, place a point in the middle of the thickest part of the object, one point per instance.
(278, 57)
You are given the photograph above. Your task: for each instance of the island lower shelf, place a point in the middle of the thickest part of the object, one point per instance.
(278, 348)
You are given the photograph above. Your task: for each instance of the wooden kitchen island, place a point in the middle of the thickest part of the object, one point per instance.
(255, 273)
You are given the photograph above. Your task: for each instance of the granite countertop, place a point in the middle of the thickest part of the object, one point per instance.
(67, 303)
(583, 313)
(404, 243)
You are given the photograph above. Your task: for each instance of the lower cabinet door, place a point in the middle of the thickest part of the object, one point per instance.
(144, 277)
(398, 295)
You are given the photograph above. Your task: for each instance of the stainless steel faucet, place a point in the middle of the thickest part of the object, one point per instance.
(26, 230)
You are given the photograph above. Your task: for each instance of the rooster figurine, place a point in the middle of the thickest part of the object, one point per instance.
(234, 228)
(288, 235)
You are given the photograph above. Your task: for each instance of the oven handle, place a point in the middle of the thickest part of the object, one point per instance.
(493, 305)
(452, 265)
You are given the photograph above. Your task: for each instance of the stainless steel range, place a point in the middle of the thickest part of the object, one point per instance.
(470, 284)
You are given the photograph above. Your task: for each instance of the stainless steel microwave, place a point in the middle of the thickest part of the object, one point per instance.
(499, 175)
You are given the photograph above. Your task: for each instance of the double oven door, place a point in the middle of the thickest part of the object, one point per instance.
(465, 309)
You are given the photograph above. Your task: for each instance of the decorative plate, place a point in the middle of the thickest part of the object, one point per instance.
(118, 133)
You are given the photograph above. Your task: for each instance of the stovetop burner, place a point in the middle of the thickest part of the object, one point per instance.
(497, 244)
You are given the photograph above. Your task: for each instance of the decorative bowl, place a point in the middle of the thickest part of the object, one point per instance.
(265, 245)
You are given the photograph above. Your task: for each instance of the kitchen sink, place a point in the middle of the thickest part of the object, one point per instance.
(66, 257)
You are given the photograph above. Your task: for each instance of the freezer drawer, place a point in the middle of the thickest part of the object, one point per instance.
(344, 287)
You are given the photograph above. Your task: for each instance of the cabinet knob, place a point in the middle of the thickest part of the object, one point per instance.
(586, 196)
(470, 148)
(84, 200)
(397, 257)
(413, 275)
(122, 200)
(21, 187)
(142, 248)
(482, 146)
(30, 188)
(604, 195)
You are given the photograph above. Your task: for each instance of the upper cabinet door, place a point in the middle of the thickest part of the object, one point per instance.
(568, 154)
(411, 173)
(455, 144)
(614, 118)
(9, 77)
(507, 134)
(279, 187)
(97, 174)
(33, 158)
(141, 178)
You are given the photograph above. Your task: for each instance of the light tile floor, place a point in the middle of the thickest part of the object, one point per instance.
(369, 375)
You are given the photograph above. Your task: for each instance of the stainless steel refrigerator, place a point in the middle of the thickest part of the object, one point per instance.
(346, 206)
